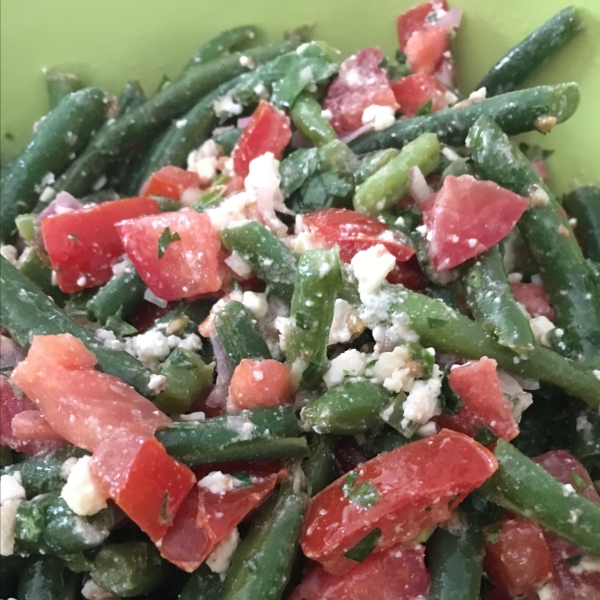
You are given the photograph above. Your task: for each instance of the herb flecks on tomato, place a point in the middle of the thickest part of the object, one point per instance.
(171, 182)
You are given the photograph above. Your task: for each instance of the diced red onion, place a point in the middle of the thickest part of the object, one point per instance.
(357, 133)
(450, 20)
(243, 121)
(218, 395)
(419, 189)
(10, 355)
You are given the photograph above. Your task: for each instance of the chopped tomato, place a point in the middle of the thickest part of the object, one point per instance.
(361, 82)
(397, 573)
(176, 254)
(466, 217)
(268, 130)
(170, 182)
(31, 425)
(260, 383)
(425, 49)
(84, 245)
(401, 493)
(478, 386)
(146, 483)
(534, 298)
(415, 19)
(82, 405)
(416, 90)
(517, 557)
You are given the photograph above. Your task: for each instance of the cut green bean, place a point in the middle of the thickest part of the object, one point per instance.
(522, 60)
(388, 184)
(516, 112)
(319, 467)
(36, 268)
(59, 85)
(47, 578)
(306, 114)
(583, 204)
(573, 289)
(493, 304)
(266, 255)
(372, 162)
(522, 486)
(227, 139)
(202, 585)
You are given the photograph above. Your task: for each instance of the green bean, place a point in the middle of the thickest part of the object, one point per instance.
(319, 467)
(129, 568)
(37, 269)
(353, 407)
(145, 120)
(239, 334)
(522, 60)
(228, 138)
(59, 85)
(522, 486)
(306, 116)
(372, 162)
(266, 255)
(202, 585)
(516, 112)
(385, 440)
(584, 205)
(63, 132)
(458, 167)
(259, 434)
(263, 562)
(573, 289)
(388, 184)
(318, 280)
(47, 578)
(493, 304)
(26, 311)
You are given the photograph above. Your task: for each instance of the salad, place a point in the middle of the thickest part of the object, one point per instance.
(302, 327)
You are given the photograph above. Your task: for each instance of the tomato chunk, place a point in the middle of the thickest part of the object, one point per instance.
(176, 254)
(269, 130)
(415, 19)
(84, 245)
(361, 82)
(146, 483)
(400, 492)
(425, 49)
(416, 90)
(31, 425)
(397, 573)
(466, 217)
(534, 298)
(170, 182)
(82, 405)
(260, 383)
(478, 386)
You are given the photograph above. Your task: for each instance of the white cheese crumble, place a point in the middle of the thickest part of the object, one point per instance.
(227, 107)
(587, 564)
(11, 488)
(151, 348)
(189, 342)
(8, 516)
(542, 327)
(123, 266)
(371, 267)
(195, 417)
(81, 493)
(219, 559)
(246, 61)
(241, 425)
(10, 253)
(395, 370)
(351, 363)
(256, 303)
(474, 98)
(237, 208)
(422, 403)
(157, 383)
(327, 114)
(346, 323)
(67, 467)
(150, 296)
(568, 490)
(596, 373)
(545, 593)
(218, 482)
(521, 400)
(381, 117)
(238, 265)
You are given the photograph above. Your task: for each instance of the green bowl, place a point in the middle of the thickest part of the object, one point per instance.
(111, 41)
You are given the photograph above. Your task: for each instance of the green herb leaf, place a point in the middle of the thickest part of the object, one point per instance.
(164, 510)
(324, 190)
(436, 323)
(297, 168)
(425, 109)
(365, 495)
(492, 534)
(370, 364)
(451, 402)
(119, 327)
(166, 238)
(179, 359)
(244, 477)
(363, 548)
(579, 482)
(484, 436)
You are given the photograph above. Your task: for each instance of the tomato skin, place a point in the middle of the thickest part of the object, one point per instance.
(534, 298)
(189, 267)
(519, 562)
(397, 573)
(31, 425)
(466, 217)
(146, 483)
(416, 90)
(444, 467)
(425, 49)
(478, 386)
(269, 130)
(360, 83)
(415, 19)
(84, 245)
(170, 182)
(84, 406)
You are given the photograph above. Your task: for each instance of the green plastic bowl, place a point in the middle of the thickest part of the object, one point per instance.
(110, 41)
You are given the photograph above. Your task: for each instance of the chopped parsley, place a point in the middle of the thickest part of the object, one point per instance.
(363, 548)
(365, 495)
(436, 323)
(165, 240)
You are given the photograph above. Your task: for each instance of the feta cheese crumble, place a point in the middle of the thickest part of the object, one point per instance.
(542, 327)
(219, 559)
(157, 383)
(11, 488)
(227, 107)
(422, 403)
(217, 482)
(351, 363)
(81, 493)
(8, 516)
(346, 323)
(10, 253)
(256, 303)
(381, 117)
(371, 267)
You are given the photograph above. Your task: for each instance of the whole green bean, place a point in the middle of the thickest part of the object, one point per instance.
(388, 184)
(267, 256)
(60, 84)
(263, 562)
(516, 112)
(522, 60)
(584, 205)
(574, 291)
(493, 304)
(47, 578)
(63, 133)
(522, 486)
(306, 116)
(372, 162)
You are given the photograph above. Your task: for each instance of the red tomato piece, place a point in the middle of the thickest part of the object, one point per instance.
(397, 573)
(170, 182)
(534, 298)
(31, 425)
(260, 383)
(84, 245)
(269, 130)
(413, 487)
(415, 19)
(425, 49)
(146, 483)
(478, 386)
(409, 274)
(416, 90)
(361, 82)
(82, 405)
(466, 217)
(185, 267)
